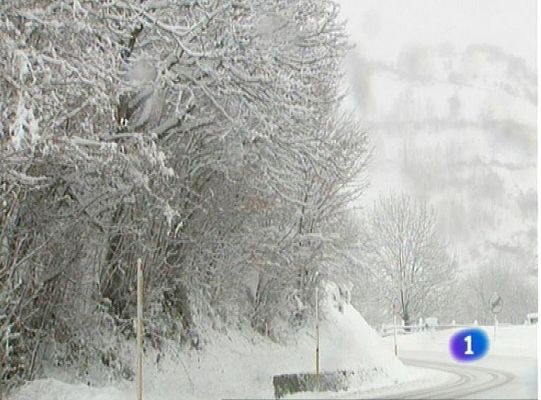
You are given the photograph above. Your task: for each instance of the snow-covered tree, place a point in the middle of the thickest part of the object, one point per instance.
(407, 263)
(203, 137)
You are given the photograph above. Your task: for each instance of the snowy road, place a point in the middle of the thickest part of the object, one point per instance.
(467, 381)
(497, 377)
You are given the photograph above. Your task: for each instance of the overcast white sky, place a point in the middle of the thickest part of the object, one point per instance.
(382, 28)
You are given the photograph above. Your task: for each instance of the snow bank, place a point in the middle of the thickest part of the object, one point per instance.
(348, 342)
(241, 365)
(49, 389)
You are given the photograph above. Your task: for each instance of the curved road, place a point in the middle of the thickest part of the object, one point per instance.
(501, 377)
(469, 380)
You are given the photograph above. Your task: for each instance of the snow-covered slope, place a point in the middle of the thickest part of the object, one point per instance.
(457, 128)
(242, 365)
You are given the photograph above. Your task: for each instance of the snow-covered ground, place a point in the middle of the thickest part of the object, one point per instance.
(242, 365)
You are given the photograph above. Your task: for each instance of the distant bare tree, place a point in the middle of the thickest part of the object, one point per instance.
(407, 264)
(517, 289)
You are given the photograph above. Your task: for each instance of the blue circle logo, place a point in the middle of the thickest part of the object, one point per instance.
(469, 345)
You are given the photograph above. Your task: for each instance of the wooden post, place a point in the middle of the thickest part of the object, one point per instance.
(317, 336)
(495, 324)
(317, 331)
(139, 327)
(394, 329)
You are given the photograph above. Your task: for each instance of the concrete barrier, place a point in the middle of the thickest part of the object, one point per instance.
(304, 382)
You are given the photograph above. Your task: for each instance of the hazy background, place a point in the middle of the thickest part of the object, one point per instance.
(448, 93)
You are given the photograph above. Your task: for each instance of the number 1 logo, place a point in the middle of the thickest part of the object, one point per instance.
(469, 345)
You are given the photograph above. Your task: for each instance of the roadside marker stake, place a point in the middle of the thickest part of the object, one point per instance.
(139, 327)
(317, 336)
(394, 329)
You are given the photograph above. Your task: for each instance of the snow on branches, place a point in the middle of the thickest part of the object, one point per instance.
(204, 137)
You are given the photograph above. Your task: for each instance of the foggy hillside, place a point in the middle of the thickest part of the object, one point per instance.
(457, 128)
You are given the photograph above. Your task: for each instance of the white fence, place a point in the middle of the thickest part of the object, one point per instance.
(387, 330)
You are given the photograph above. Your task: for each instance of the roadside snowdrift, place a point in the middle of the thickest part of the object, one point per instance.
(242, 365)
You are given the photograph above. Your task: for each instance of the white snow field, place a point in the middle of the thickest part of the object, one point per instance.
(242, 365)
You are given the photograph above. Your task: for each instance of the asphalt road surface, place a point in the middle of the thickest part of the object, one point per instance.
(468, 380)
(495, 378)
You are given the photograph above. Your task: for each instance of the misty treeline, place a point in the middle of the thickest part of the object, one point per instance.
(204, 137)
(503, 276)
(409, 270)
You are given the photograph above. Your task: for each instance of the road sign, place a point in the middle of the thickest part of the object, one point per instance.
(496, 303)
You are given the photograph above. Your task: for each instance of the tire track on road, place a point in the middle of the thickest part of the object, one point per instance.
(471, 380)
